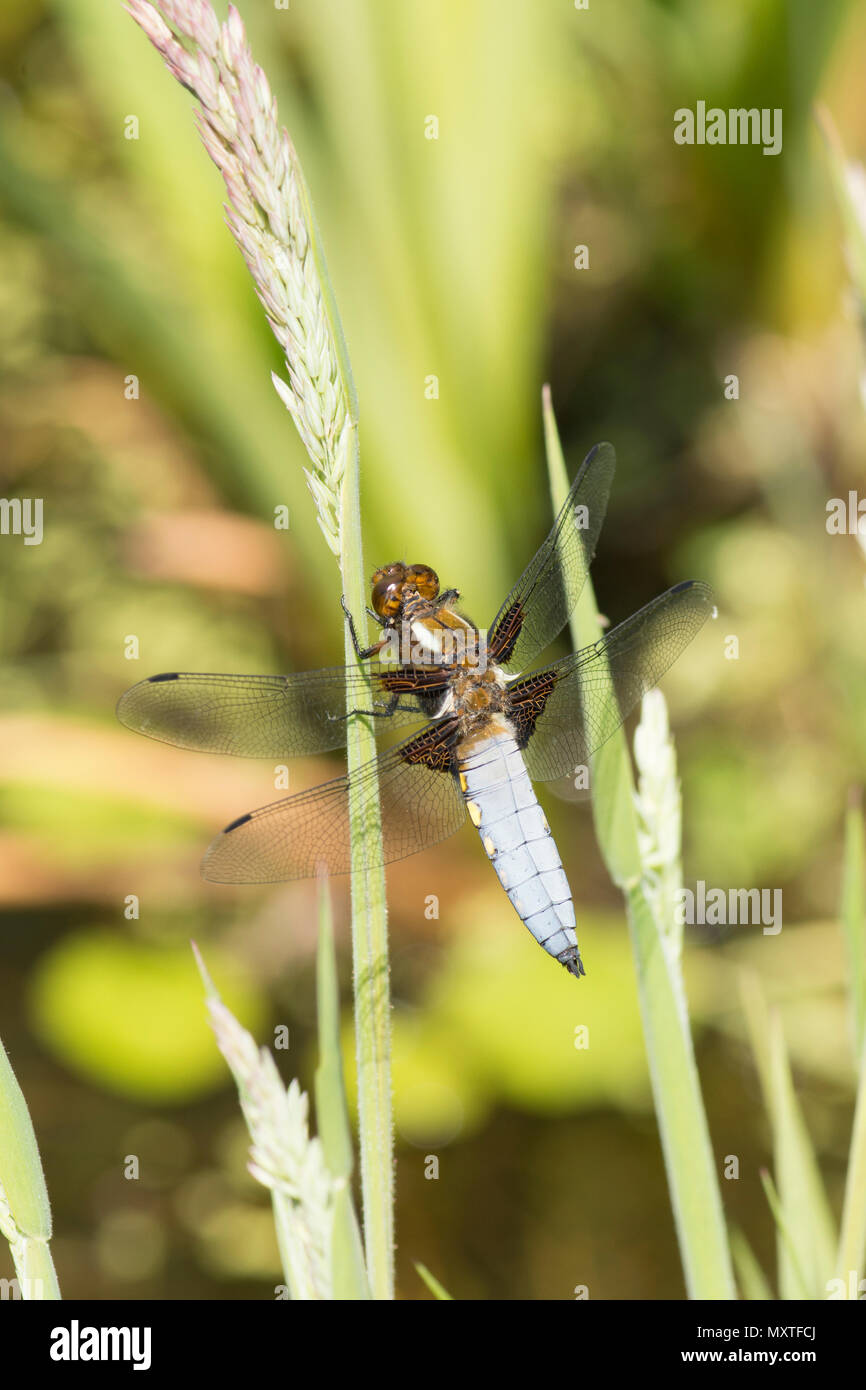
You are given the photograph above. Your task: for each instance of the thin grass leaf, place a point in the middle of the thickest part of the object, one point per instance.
(689, 1159)
(25, 1214)
(348, 1271)
(807, 1211)
(689, 1162)
(807, 1236)
(433, 1284)
(751, 1278)
(613, 786)
(370, 955)
(331, 1110)
(849, 182)
(852, 1233)
(853, 914)
(757, 1024)
(795, 1276)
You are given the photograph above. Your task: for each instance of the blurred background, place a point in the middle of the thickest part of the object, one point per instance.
(451, 258)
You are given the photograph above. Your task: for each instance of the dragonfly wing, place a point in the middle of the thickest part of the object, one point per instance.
(293, 838)
(543, 598)
(566, 712)
(271, 716)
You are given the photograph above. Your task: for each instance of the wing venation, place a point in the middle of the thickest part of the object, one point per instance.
(274, 716)
(542, 600)
(293, 838)
(565, 712)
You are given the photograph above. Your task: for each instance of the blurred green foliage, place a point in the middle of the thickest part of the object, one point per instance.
(128, 1015)
(451, 258)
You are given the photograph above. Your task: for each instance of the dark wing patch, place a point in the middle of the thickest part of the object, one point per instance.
(424, 685)
(505, 632)
(593, 690)
(432, 750)
(270, 716)
(416, 678)
(527, 701)
(542, 600)
(420, 804)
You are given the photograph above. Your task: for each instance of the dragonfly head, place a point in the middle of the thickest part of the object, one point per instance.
(394, 584)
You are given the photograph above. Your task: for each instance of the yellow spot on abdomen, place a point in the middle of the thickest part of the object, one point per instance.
(489, 846)
(474, 812)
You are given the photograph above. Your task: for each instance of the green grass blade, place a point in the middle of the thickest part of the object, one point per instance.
(369, 903)
(807, 1211)
(807, 1236)
(689, 1162)
(689, 1159)
(348, 1269)
(25, 1214)
(371, 966)
(855, 239)
(347, 1253)
(795, 1276)
(853, 913)
(331, 1112)
(612, 782)
(750, 1277)
(433, 1284)
(852, 1235)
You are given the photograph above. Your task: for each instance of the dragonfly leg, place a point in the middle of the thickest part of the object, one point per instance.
(391, 708)
(362, 653)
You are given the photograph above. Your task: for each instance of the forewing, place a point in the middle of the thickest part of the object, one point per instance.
(420, 805)
(269, 716)
(566, 712)
(542, 600)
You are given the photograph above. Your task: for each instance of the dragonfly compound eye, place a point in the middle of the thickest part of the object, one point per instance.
(425, 580)
(388, 590)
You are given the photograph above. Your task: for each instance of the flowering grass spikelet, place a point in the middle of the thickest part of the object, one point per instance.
(283, 1156)
(268, 214)
(659, 817)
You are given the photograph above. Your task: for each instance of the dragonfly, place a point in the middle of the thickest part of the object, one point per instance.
(492, 723)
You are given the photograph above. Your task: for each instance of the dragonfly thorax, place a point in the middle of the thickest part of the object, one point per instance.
(477, 695)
